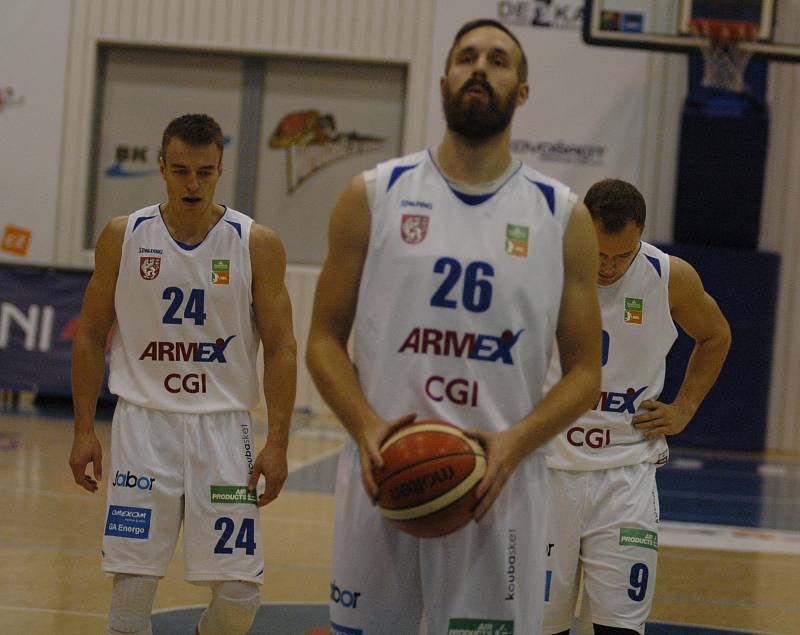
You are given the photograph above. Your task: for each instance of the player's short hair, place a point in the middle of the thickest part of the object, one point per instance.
(522, 67)
(615, 202)
(193, 130)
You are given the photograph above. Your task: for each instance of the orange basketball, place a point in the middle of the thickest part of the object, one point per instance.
(428, 480)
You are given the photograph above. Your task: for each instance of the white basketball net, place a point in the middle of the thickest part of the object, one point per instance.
(724, 61)
(724, 66)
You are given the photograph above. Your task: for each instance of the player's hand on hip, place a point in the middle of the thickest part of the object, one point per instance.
(373, 433)
(271, 462)
(662, 418)
(86, 449)
(502, 456)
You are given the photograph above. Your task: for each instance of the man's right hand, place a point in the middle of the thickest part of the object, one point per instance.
(86, 449)
(373, 434)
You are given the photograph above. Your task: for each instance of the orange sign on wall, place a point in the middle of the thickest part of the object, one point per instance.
(16, 240)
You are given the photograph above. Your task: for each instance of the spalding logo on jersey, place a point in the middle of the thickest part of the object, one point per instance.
(149, 267)
(414, 228)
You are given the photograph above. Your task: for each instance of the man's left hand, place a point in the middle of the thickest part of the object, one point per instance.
(502, 456)
(661, 418)
(271, 462)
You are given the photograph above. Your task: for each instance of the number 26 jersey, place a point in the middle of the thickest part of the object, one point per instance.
(460, 294)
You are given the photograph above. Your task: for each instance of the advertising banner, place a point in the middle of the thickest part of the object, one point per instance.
(583, 120)
(33, 53)
(39, 310)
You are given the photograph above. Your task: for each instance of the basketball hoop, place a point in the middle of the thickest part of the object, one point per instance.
(724, 61)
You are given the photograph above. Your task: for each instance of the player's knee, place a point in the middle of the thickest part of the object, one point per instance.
(600, 629)
(131, 604)
(233, 606)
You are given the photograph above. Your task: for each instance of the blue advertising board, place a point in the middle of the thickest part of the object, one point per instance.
(39, 310)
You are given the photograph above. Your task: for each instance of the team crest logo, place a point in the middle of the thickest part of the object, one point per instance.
(149, 267)
(414, 228)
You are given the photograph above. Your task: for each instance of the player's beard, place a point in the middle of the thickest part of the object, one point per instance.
(475, 120)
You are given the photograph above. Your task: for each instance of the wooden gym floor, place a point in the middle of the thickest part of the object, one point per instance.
(730, 554)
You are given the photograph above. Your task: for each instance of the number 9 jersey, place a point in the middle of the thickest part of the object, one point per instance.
(185, 338)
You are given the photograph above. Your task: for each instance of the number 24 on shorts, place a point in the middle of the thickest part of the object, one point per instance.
(245, 539)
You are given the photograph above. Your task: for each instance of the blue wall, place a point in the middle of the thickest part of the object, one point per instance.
(744, 283)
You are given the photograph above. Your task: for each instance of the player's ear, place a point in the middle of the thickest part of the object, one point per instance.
(162, 166)
(522, 93)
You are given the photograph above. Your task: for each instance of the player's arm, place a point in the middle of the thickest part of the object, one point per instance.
(578, 336)
(88, 352)
(578, 333)
(698, 314)
(332, 319)
(273, 314)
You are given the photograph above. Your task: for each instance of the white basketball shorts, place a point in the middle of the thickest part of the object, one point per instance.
(605, 521)
(172, 468)
(487, 577)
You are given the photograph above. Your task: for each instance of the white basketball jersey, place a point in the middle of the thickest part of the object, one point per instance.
(638, 332)
(185, 338)
(460, 294)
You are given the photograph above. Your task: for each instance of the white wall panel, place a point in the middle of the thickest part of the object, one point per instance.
(301, 283)
(33, 43)
(379, 30)
(165, 19)
(781, 233)
(666, 89)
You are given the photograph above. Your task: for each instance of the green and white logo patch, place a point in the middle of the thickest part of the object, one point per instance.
(634, 310)
(220, 271)
(232, 494)
(517, 240)
(631, 537)
(470, 626)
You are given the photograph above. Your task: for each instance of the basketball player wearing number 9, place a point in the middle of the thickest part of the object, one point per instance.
(603, 504)
(639, 571)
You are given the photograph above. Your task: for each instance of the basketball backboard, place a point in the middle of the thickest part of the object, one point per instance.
(666, 25)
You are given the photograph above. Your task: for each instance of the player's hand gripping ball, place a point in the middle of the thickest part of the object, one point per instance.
(428, 480)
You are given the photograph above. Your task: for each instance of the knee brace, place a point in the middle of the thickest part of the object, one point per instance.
(131, 604)
(232, 609)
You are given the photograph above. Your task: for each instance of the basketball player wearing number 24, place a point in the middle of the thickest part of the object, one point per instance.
(604, 502)
(190, 287)
(456, 268)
